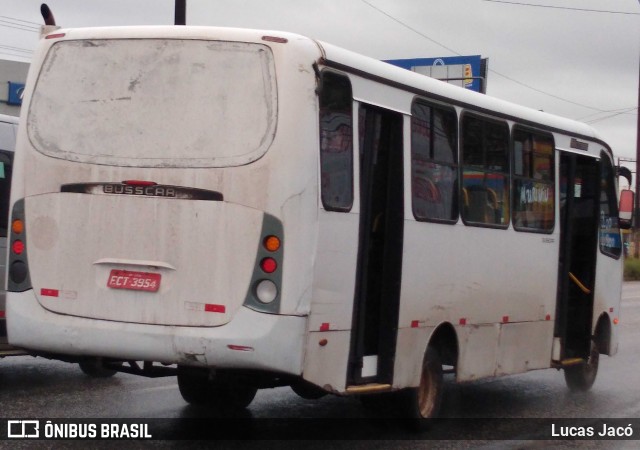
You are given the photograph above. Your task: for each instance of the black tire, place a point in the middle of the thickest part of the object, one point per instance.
(580, 377)
(95, 368)
(200, 387)
(307, 390)
(423, 403)
(193, 384)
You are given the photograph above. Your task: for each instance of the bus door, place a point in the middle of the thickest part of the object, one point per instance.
(379, 266)
(579, 196)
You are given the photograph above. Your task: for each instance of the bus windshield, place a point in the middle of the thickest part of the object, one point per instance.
(155, 102)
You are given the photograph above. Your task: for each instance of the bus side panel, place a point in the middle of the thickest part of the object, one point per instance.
(608, 291)
(326, 359)
(478, 352)
(524, 346)
(332, 300)
(335, 272)
(477, 277)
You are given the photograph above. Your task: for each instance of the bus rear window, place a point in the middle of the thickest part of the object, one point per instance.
(155, 102)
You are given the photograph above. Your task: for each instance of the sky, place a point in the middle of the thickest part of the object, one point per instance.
(574, 58)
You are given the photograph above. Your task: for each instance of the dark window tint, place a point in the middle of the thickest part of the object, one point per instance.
(434, 169)
(336, 142)
(485, 171)
(533, 185)
(610, 242)
(6, 160)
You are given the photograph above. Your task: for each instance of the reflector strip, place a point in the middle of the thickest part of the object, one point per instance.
(279, 40)
(415, 324)
(54, 36)
(205, 307)
(240, 348)
(2, 315)
(215, 308)
(50, 292)
(324, 326)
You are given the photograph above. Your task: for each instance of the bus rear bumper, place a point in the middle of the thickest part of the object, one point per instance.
(252, 340)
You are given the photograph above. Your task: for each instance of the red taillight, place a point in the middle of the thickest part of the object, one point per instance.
(268, 265)
(17, 247)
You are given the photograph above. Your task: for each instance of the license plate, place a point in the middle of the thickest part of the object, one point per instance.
(135, 281)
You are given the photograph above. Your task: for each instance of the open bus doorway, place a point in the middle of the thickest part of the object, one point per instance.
(579, 194)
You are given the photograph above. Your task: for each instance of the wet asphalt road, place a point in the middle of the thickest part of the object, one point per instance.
(39, 388)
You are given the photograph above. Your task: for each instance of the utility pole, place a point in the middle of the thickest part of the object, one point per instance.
(636, 222)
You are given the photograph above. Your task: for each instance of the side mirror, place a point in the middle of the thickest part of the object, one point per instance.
(627, 202)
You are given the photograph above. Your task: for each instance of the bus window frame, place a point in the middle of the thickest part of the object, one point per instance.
(612, 203)
(518, 127)
(462, 165)
(455, 165)
(321, 87)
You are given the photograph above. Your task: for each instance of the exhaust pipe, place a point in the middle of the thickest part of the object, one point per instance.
(47, 15)
(180, 17)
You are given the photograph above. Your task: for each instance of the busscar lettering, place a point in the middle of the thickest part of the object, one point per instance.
(154, 191)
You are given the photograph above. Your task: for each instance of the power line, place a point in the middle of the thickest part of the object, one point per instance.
(20, 20)
(513, 80)
(18, 26)
(565, 7)
(611, 115)
(15, 49)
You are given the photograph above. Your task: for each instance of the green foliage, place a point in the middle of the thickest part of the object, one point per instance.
(632, 269)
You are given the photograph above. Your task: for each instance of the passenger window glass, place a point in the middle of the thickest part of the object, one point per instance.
(485, 172)
(533, 185)
(610, 242)
(336, 142)
(434, 168)
(6, 159)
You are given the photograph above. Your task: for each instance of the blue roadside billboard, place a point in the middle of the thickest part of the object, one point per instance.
(465, 71)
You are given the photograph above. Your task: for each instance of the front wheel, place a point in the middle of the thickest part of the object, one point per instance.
(202, 387)
(580, 377)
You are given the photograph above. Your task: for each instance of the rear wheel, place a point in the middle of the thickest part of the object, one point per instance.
(94, 367)
(202, 387)
(423, 403)
(580, 377)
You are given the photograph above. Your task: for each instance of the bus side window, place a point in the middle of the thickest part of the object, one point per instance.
(434, 163)
(609, 230)
(533, 185)
(336, 142)
(485, 172)
(6, 159)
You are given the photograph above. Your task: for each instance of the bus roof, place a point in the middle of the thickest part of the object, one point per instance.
(432, 88)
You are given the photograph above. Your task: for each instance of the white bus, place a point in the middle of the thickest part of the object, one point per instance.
(263, 209)
(8, 132)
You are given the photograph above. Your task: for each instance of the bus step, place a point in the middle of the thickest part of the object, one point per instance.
(368, 388)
